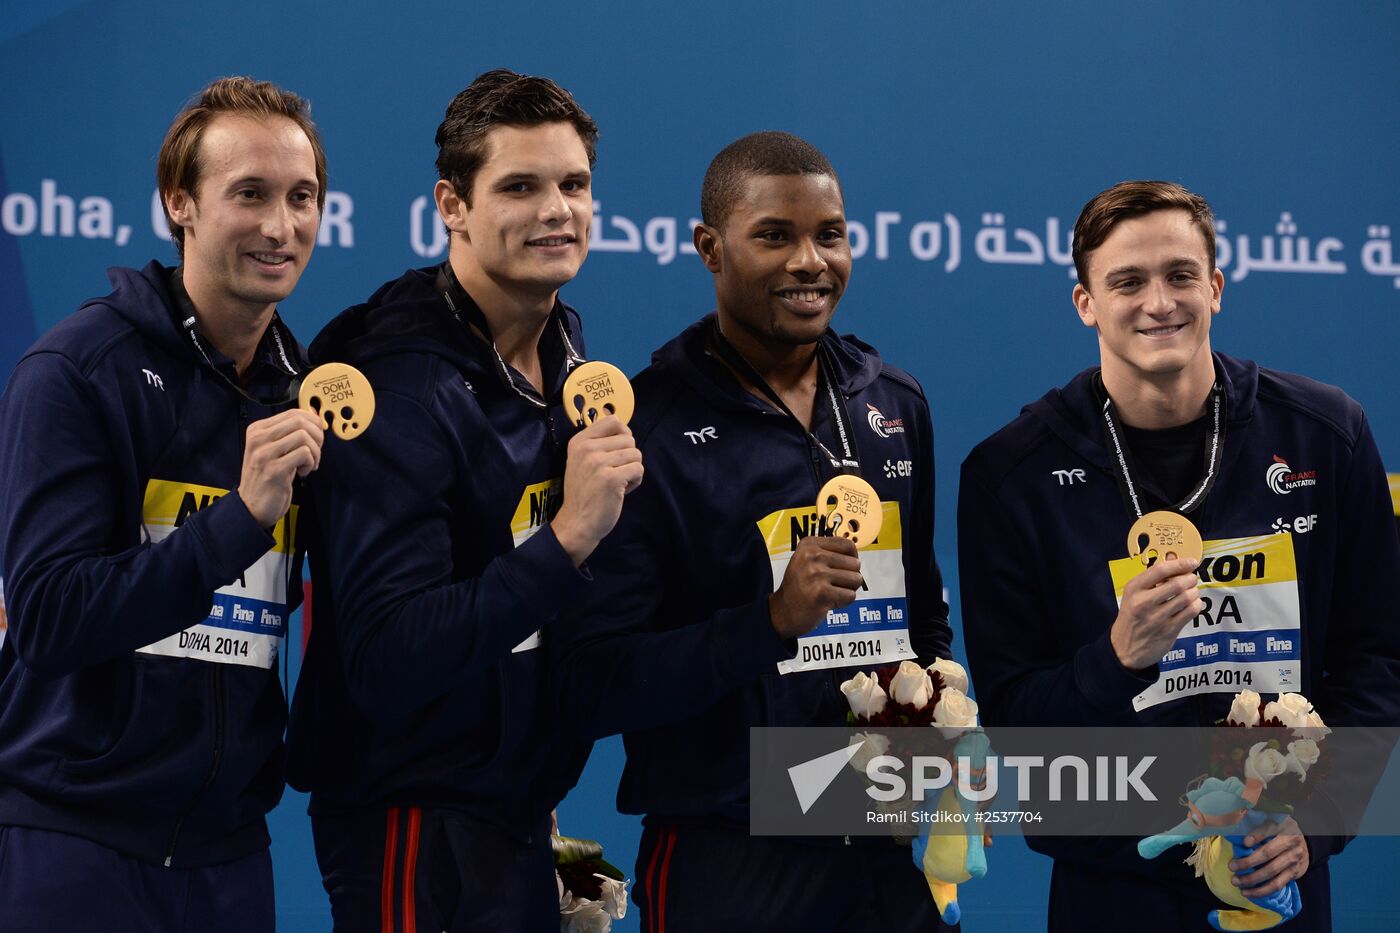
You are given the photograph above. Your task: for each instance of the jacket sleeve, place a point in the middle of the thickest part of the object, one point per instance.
(76, 595)
(1361, 664)
(929, 631)
(409, 629)
(623, 662)
(1020, 671)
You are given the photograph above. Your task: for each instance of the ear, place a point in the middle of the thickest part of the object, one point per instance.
(1217, 287)
(1084, 304)
(180, 205)
(710, 247)
(450, 207)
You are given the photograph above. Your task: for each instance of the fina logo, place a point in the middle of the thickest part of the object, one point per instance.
(881, 425)
(1282, 480)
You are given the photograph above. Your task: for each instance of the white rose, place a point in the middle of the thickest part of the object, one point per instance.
(1245, 710)
(584, 916)
(614, 896)
(1302, 755)
(953, 674)
(1313, 728)
(865, 695)
(565, 896)
(1295, 703)
(955, 711)
(1264, 763)
(911, 684)
(1291, 718)
(875, 746)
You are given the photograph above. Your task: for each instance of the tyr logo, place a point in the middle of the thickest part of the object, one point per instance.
(153, 380)
(1069, 477)
(701, 436)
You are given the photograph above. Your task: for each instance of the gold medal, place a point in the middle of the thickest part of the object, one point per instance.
(852, 509)
(1165, 535)
(341, 396)
(595, 390)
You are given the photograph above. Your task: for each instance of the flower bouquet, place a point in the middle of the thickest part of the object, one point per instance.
(1229, 802)
(909, 695)
(592, 891)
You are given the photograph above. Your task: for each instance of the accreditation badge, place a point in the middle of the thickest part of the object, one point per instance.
(248, 620)
(872, 630)
(537, 505)
(1250, 632)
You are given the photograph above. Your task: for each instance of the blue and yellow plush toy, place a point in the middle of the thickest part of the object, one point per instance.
(1220, 814)
(949, 859)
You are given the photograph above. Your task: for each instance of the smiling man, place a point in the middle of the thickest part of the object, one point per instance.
(442, 563)
(1244, 452)
(717, 576)
(150, 452)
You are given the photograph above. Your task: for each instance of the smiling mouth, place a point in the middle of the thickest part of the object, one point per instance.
(1164, 331)
(808, 299)
(270, 259)
(550, 241)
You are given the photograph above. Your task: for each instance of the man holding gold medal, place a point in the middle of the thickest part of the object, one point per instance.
(782, 541)
(444, 552)
(1166, 530)
(150, 449)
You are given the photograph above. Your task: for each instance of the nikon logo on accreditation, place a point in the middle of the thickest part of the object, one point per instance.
(544, 503)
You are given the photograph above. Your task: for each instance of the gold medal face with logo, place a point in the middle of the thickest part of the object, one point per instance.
(339, 395)
(595, 390)
(852, 509)
(1165, 535)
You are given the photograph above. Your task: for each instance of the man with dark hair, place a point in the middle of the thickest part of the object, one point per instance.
(709, 587)
(150, 452)
(1259, 461)
(445, 552)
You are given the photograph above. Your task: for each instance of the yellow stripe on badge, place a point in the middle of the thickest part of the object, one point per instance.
(168, 503)
(1228, 562)
(781, 530)
(1395, 493)
(537, 504)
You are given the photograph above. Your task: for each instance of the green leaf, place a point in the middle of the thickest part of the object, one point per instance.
(568, 849)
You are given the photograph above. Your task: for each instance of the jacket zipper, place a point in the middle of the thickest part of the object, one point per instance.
(218, 688)
(218, 677)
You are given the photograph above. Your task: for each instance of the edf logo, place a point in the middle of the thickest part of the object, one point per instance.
(1069, 477)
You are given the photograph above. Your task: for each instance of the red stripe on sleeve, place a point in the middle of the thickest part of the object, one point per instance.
(386, 889)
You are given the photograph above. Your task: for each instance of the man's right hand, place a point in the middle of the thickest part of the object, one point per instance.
(1156, 604)
(278, 449)
(823, 574)
(604, 466)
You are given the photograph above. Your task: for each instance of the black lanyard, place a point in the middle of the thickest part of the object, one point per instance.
(1124, 466)
(468, 314)
(190, 323)
(849, 461)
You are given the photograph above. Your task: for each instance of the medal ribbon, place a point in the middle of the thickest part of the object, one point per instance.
(190, 323)
(849, 461)
(467, 313)
(1124, 466)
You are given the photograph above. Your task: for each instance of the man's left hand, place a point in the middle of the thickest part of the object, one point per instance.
(1279, 860)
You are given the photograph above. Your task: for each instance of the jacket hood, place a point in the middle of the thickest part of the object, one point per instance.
(857, 364)
(1072, 414)
(142, 298)
(407, 315)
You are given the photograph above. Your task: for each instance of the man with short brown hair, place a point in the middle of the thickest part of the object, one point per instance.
(452, 534)
(1257, 460)
(151, 452)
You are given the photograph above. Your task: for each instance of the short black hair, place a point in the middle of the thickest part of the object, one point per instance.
(768, 153)
(502, 98)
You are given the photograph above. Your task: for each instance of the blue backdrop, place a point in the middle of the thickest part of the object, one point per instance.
(967, 137)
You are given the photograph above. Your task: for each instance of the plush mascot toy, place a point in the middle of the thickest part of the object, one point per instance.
(1220, 814)
(949, 859)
